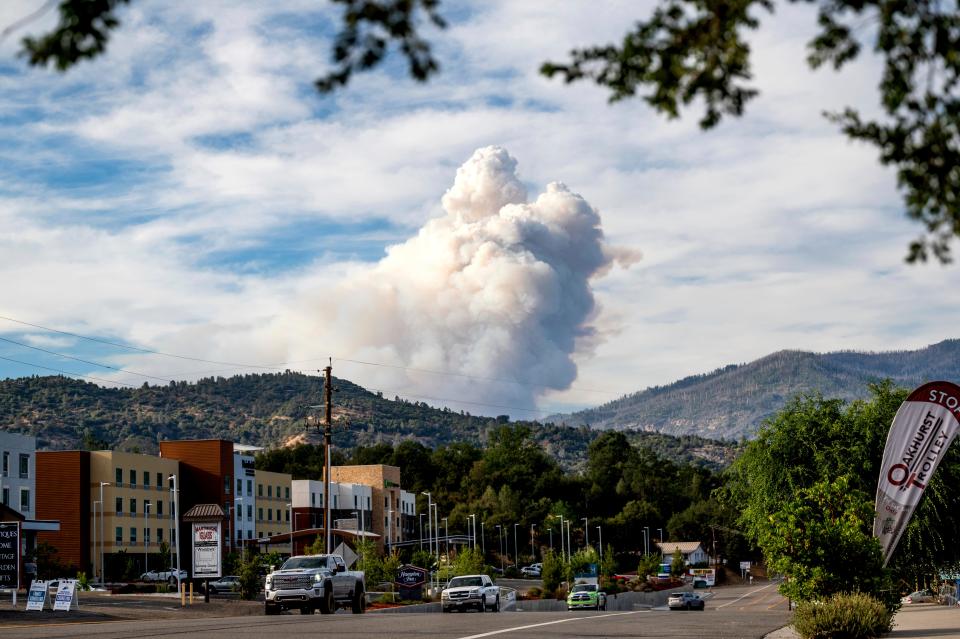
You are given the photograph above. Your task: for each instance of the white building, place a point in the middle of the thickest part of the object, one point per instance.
(692, 551)
(244, 504)
(18, 480)
(349, 501)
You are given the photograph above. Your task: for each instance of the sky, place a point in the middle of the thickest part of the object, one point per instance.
(492, 241)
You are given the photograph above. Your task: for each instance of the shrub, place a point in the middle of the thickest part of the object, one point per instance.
(534, 593)
(842, 616)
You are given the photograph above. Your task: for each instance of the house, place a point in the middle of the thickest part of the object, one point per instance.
(692, 551)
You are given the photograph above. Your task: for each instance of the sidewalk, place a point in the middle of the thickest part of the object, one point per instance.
(917, 621)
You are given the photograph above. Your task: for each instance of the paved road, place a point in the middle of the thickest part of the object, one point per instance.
(731, 613)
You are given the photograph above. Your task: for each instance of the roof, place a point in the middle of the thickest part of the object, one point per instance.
(204, 512)
(246, 448)
(686, 547)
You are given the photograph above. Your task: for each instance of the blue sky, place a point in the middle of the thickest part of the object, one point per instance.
(189, 192)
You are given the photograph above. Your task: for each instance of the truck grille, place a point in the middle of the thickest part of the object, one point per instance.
(459, 595)
(287, 582)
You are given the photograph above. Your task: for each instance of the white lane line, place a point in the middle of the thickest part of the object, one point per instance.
(744, 596)
(546, 623)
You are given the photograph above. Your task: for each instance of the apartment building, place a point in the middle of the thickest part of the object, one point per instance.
(349, 501)
(18, 474)
(132, 507)
(242, 523)
(393, 510)
(273, 510)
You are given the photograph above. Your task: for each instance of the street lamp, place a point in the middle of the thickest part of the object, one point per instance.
(176, 523)
(600, 533)
(446, 541)
(516, 551)
(95, 537)
(586, 532)
(483, 542)
(500, 539)
(646, 540)
(569, 548)
(661, 534)
(102, 571)
(429, 523)
(421, 530)
(562, 556)
(389, 530)
(550, 530)
(146, 535)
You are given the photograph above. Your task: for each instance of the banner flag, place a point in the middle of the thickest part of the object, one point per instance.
(922, 431)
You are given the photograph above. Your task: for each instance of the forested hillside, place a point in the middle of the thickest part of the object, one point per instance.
(730, 403)
(271, 410)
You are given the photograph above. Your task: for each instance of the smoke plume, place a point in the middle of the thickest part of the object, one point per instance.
(497, 288)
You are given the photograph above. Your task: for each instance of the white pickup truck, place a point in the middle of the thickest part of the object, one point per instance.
(470, 591)
(314, 582)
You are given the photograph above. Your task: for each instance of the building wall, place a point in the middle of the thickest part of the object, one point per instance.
(63, 493)
(244, 498)
(18, 473)
(138, 504)
(272, 512)
(384, 482)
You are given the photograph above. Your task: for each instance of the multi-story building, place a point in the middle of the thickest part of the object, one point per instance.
(243, 526)
(132, 508)
(350, 501)
(18, 475)
(386, 496)
(273, 506)
(63, 493)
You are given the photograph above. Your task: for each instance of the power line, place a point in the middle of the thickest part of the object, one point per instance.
(67, 373)
(85, 361)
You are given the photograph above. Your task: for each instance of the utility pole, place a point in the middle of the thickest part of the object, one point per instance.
(327, 426)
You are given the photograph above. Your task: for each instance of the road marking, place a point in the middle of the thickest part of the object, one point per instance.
(546, 623)
(745, 595)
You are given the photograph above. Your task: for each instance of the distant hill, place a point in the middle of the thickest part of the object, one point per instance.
(730, 403)
(273, 410)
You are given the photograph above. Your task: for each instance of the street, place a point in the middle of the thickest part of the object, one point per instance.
(733, 612)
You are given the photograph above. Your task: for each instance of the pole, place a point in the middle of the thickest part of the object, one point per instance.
(533, 554)
(95, 540)
(103, 572)
(420, 517)
(661, 534)
(327, 426)
(569, 547)
(600, 533)
(389, 530)
(446, 542)
(176, 523)
(483, 542)
(429, 523)
(516, 550)
(586, 532)
(500, 541)
(550, 530)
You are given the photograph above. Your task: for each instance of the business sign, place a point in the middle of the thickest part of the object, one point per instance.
(10, 555)
(37, 595)
(410, 581)
(206, 550)
(744, 565)
(922, 431)
(707, 574)
(66, 595)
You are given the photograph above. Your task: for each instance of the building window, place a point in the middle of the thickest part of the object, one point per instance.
(249, 513)
(259, 490)
(173, 536)
(226, 484)
(249, 534)
(133, 506)
(278, 492)
(287, 514)
(286, 492)
(259, 514)
(118, 539)
(159, 508)
(269, 514)
(24, 500)
(133, 535)
(313, 499)
(6, 463)
(146, 536)
(133, 477)
(118, 480)
(159, 535)
(146, 507)
(270, 491)
(239, 486)
(118, 506)
(24, 466)
(160, 480)
(146, 479)
(249, 488)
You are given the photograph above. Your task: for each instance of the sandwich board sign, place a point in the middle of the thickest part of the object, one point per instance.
(37, 595)
(66, 595)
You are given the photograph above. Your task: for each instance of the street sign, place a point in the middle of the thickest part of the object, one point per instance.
(206, 550)
(10, 555)
(66, 595)
(744, 565)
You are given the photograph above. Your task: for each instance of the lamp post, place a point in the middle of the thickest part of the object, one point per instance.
(103, 572)
(421, 530)
(95, 537)
(600, 534)
(661, 534)
(176, 523)
(550, 530)
(562, 556)
(500, 539)
(569, 547)
(483, 542)
(429, 527)
(516, 551)
(646, 540)
(146, 535)
(586, 532)
(446, 541)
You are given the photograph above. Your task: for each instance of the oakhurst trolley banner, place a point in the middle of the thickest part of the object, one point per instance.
(925, 426)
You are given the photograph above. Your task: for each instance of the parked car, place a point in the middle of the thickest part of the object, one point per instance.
(919, 596)
(586, 596)
(470, 591)
(225, 584)
(533, 570)
(685, 601)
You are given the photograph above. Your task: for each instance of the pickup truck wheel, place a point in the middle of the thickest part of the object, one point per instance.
(327, 606)
(496, 604)
(359, 603)
(482, 606)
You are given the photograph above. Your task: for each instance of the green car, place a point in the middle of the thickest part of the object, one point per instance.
(586, 597)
